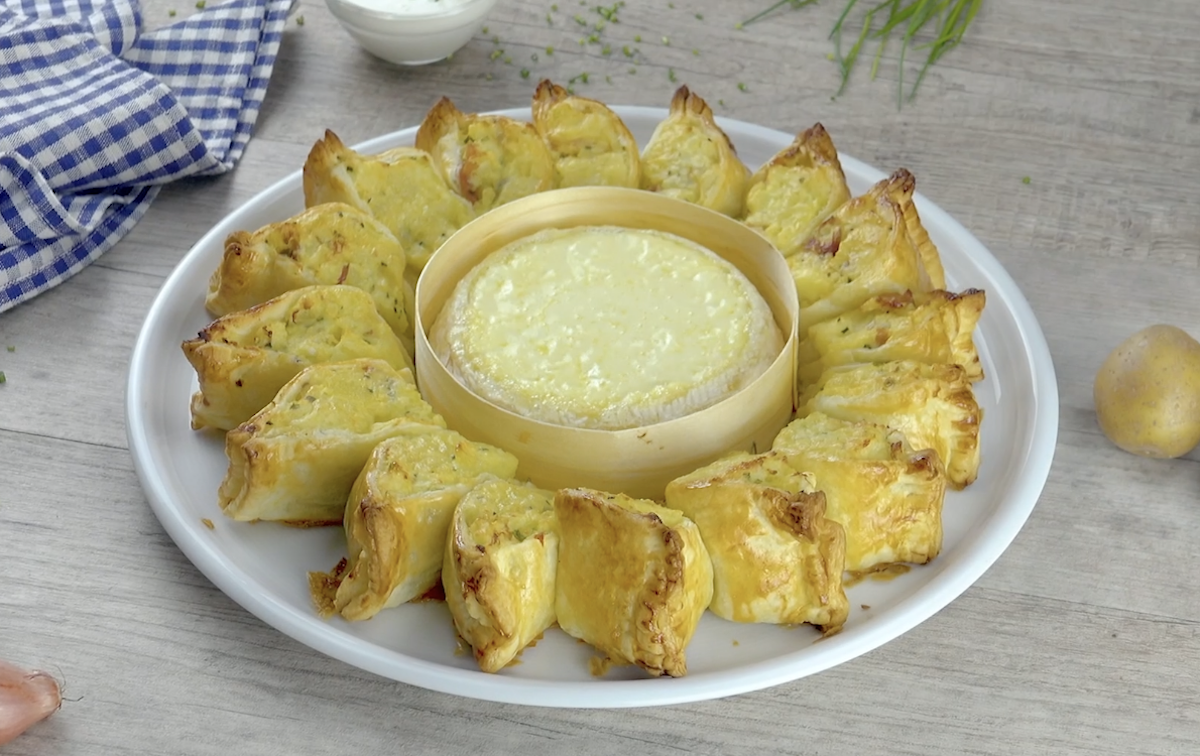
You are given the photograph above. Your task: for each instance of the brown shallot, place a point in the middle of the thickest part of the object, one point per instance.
(26, 698)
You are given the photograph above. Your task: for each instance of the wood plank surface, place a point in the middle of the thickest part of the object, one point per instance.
(1084, 638)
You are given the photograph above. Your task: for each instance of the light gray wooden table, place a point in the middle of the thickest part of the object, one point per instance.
(1083, 638)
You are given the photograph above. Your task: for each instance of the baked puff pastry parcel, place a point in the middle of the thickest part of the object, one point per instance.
(690, 158)
(633, 578)
(399, 512)
(776, 557)
(797, 189)
(488, 159)
(934, 327)
(887, 496)
(244, 358)
(296, 460)
(402, 188)
(331, 243)
(499, 569)
(932, 405)
(590, 144)
(862, 250)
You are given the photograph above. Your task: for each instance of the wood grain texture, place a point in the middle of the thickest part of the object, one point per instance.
(1083, 638)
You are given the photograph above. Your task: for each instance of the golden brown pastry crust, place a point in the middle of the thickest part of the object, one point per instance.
(862, 250)
(935, 327)
(633, 578)
(489, 160)
(902, 193)
(590, 144)
(330, 243)
(776, 557)
(242, 359)
(499, 568)
(886, 495)
(797, 189)
(402, 188)
(689, 157)
(399, 511)
(933, 406)
(296, 460)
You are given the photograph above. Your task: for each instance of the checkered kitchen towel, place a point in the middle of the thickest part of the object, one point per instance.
(95, 117)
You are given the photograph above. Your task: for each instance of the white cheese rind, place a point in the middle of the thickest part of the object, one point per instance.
(605, 328)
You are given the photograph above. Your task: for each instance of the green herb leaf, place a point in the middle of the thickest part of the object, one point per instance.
(933, 26)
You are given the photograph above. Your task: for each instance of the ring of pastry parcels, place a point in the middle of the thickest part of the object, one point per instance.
(752, 537)
(910, 377)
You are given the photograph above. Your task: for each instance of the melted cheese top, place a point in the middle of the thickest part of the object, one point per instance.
(604, 327)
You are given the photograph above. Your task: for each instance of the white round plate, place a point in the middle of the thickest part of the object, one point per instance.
(264, 567)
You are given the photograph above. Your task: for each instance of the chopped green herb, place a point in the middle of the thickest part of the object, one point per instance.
(582, 42)
(721, 103)
(549, 20)
(484, 30)
(742, 87)
(637, 37)
(910, 19)
(2, 378)
(554, 7)
(606, 50)
(667, 41)
(200, 4)
(627, 51)
(593, 38)
(699, 16)
(570, 90)
(1024, 180)
(671, 75)
(696, 52)
(579, 20)
(12, 349)
(632, 70)
(496, 54)
(508, 59)
(739, 26)
(495, 39)
(299, 20)
(549, 50)
(524, 73)
(171, 13)
(670, 5)
(608, 79)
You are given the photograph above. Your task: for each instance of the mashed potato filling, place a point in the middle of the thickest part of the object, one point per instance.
(605, 328)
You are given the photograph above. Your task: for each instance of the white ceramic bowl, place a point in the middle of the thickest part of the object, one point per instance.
(411, 32)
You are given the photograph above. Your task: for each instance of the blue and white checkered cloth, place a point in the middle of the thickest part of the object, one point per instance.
(95, 117)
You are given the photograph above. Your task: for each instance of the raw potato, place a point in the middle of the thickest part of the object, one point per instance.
(1148, 393)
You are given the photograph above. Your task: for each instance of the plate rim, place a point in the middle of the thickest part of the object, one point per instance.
(929, 598)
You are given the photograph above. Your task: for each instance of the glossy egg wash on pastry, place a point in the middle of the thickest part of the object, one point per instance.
(605, 328)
